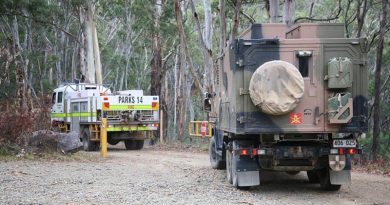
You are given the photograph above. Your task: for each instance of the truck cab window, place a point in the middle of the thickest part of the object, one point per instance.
(304, 65)
(53, 100)
(59, 99)
(303, 62)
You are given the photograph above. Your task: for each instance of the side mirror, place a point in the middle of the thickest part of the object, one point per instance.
(207, 102)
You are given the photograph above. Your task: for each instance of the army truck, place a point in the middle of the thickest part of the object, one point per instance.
(290, 99)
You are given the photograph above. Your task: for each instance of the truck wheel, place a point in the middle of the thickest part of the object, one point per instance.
(112, 142)
(88, 145)
(313, 176)
(140, 144)
(131, 144)
(325, 181)
(215, 160)
(229, 166)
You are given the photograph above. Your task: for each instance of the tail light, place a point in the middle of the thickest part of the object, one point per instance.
(352, 151)
(244, 152)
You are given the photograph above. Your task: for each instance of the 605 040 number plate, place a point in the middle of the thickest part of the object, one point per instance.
(344, 143)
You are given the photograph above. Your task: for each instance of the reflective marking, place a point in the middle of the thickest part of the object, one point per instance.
(76, 114)
(130, 107)
(134, 128)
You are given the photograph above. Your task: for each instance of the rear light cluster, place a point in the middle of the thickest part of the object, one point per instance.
(342, 151)
(251, 152)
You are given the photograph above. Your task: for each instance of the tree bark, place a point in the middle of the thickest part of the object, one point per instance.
(181, 98)
(90, 78)
(378, 73)
(289, 12)
(236, 19)
(158, 74)
(273, 11)
(96, 54)
(361, 15)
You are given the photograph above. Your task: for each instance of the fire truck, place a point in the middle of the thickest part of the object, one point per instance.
(80, 107)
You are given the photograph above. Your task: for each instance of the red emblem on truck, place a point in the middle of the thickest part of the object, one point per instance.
(295, 118)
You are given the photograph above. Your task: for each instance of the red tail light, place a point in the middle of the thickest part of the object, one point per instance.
(352, 151)
(244, 152)
(254, 152)
(341, 151)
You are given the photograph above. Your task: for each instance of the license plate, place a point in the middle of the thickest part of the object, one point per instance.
(344, 143)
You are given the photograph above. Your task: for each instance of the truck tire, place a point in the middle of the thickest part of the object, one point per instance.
(215, 160)
(140, 144)
(313, 176)
(229, 166)
(112, 141)
(131, 144)
(134, 144)
(325, 181)
(88, 145)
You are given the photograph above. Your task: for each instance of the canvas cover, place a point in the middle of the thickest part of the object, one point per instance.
(276, 87)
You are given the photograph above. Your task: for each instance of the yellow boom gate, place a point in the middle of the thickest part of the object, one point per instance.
(200, 129)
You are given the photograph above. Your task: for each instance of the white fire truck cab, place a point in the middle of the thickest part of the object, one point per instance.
(80, 108)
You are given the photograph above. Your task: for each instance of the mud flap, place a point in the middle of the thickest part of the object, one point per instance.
(340, 177)
(245, 168)
(248, 178)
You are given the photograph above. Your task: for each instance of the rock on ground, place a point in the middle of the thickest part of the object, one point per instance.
(46, 140)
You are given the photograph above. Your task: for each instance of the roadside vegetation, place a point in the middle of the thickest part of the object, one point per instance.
(42, 45)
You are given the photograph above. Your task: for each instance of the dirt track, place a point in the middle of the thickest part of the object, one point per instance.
(167, 177)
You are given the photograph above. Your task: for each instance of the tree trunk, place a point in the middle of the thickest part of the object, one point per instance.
(208, 39)
(378, 73)
(83, 72)
(183, 46)
(19, 71)
(361, 15)
(236, 19)
(222, 37)
(175, 88)
(205, 41)
(96, 54)
(181, 99)
(157, 74)
(89, 41)
(289, 12)
(273, 11)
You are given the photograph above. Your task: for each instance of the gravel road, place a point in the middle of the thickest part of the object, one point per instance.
(152, 176)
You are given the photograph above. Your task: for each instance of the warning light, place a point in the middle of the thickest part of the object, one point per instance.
(106, 106)
(154, 105)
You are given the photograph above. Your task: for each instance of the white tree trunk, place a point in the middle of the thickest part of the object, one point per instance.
(96, 52)
(89, 40)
